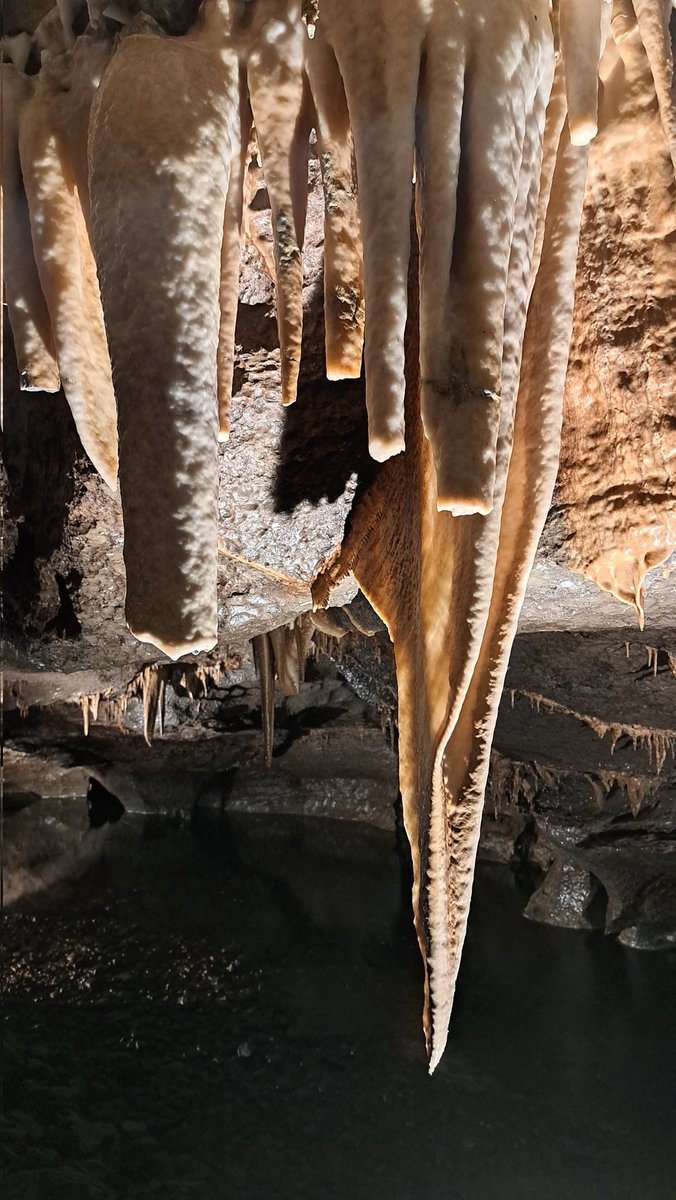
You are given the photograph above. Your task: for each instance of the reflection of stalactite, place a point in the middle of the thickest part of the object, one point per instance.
(514, 783)
(657, 743)
(511, 780)
(17, 695)
(637, 788)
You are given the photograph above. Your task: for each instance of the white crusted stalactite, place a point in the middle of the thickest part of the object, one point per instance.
(26, 306)
(473, 550)
(343, 272)
(580, 29)
(281, 107)
(506, 48)
(68, 11)
(230, 263)
(53, 149)
(529, 465)
(378, 49)
(454, 84)
(623, 20)
(430, 574)
(162, 141)
(17, 49)
(50, 39)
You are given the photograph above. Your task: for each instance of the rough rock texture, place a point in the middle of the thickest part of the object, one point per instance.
(617, 480)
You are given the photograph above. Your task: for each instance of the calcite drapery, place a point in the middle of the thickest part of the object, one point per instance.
(450, 588)
(453, 88)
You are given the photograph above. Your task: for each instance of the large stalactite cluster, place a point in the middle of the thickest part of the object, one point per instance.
(453, 140)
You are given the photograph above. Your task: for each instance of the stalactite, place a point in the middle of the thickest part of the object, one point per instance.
(463, 280)
(230, 264)
(282, 114)
(149, 686)
(580, 25)
(253, 183)
(514, 783)
(343, 274)
(53, 151)
(16, 50)
(653, 656)
(450, 588)
(26, 306)
(653, 18)
(510, 780)
(263, 659)
(657, 743)
(637, 788)
(90, 710)
(163, 139)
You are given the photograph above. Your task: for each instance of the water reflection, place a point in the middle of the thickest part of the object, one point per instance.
(235, 1013)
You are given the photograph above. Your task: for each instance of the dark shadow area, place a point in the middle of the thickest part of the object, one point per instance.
(39, 448)
(236, 1013)
(323, 444)
(325, 436)
(295, 725)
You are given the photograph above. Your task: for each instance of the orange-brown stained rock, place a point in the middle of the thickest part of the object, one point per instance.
(617, 481)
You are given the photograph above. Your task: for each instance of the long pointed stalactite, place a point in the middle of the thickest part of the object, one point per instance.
(453, 159)
(450, 591)
(53, 147)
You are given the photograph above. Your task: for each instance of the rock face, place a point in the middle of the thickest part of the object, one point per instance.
(617, 480)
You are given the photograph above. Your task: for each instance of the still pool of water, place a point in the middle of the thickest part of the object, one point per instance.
(233, 1013)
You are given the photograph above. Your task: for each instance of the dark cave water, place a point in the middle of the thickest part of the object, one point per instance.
(233, 1012)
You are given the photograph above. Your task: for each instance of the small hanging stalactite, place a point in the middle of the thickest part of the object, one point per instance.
(149, 686)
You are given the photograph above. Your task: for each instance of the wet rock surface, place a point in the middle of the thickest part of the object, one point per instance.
(581, 800)
(235, 1011)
